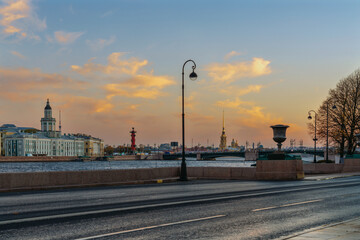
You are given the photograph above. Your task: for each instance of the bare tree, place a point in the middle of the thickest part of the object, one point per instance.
(344, 120)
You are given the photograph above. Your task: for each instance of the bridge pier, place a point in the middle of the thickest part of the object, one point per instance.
(251, 155)
(198, 156)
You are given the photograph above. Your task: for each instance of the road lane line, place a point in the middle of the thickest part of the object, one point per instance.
(262, 209)
(151, 227)
(299, 203)
(287, 205)
(192, 201)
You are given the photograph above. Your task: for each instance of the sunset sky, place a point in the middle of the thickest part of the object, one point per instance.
(116, 64)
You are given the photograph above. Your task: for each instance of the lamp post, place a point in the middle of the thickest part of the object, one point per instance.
(192, 76)
(315, 139)
(327, 129)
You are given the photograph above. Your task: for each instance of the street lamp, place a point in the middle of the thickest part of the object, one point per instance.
(315, 139)
(192, 76)
(327, 129)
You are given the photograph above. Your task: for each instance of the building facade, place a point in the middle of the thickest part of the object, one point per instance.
(49, 142)
(93, 147)
(23, 144)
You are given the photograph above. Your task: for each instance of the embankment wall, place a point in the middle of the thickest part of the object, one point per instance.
(47, 180)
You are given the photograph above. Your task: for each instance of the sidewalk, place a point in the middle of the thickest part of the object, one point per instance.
(348, 230)
(318, 177)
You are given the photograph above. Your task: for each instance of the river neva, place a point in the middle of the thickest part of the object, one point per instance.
(7, 167)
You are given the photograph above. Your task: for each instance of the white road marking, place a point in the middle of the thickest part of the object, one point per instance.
(151, 227)
(76, 214)
(287, 205)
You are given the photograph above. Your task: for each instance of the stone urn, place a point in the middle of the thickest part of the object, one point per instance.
(279, 134)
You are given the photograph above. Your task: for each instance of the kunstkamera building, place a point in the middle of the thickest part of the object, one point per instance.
(50, 142)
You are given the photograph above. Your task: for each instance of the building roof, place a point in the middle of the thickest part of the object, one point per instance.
(47, 107)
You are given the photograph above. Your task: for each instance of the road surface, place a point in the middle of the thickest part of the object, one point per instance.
(181, 210)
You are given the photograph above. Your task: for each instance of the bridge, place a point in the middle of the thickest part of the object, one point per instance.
(214, 155)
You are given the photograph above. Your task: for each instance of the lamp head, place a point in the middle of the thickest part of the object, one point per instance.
(193, 76)
(309, 117)
(334, 106)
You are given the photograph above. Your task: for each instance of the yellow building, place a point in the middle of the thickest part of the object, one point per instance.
(3, 134)
(94, 147)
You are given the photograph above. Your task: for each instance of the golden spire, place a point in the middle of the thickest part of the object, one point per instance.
(222, 145)
(223, 120)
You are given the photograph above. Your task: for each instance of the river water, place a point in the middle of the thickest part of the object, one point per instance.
(105, 165)
(8, 167)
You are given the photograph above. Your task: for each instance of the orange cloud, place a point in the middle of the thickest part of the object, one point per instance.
(67, 37)
(22, 84)
(133, 84)
(99, 44)
(140, 86)
(17, 54)
(229, 72)
(239, 91)
(250, 115)
(233, 104)
(231, 54)
(18, 17)
(197, 118)
(116, 65)
(255, 117)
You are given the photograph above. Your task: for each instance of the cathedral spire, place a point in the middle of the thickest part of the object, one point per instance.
(222, 144)
(223, 121)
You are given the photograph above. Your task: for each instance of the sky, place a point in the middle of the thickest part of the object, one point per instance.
(112, 65)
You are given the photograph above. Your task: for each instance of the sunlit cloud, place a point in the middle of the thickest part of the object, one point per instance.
(235, 104)
(140, 86)
(129, 81)
(200, 119)
(66, 37)
(231, 54)
(255, 117)
(250, 115)
(116, 65)
(240, 91)
(99, 44)
(27, 83)
(19, 18)
(229, 72)
(17, 54)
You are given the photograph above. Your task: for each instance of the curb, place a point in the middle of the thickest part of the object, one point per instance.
(152, 181)
(320, 178)
(316, 229)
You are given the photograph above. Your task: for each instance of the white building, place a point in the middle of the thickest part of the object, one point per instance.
(48, 142)
(23, 144)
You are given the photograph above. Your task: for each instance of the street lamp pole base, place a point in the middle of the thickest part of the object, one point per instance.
(183, 172)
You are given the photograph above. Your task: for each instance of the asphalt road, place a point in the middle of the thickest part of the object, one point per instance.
(182, 210)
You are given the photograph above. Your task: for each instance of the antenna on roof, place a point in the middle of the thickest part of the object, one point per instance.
(60, 121)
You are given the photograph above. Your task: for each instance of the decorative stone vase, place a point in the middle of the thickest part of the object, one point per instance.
(279, 134)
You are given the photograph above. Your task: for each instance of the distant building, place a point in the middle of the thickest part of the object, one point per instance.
(222, 145)
(93, 147)
(48, 141)
(234, 144)
(10, 129)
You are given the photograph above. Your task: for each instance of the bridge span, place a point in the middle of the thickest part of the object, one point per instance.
(214, 155)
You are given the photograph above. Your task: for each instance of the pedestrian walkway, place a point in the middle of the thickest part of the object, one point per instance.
(318, 177)
(348, 230)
